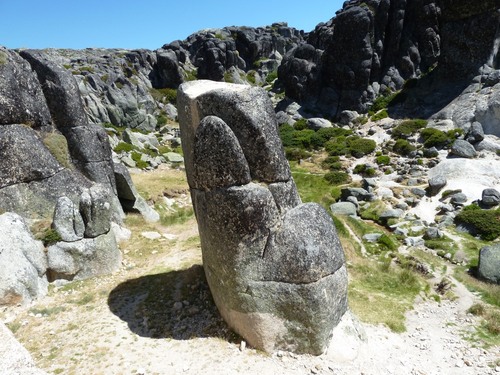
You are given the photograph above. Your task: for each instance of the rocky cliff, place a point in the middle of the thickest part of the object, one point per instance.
(375, 47)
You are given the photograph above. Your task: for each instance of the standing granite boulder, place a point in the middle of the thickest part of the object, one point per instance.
(68, 221)
(489, 263)
(275, 266)
(95, 208)
(130, 199)
(22, 262)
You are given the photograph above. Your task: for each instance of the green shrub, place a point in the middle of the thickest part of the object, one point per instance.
(435, 138)
(191, 75)
(383, 160)
(337, 146)
(303, 138)
(408, 128)
(337, 178)
(364, 170)
(251, 77)
(296, 154)
(161, 120)
(49, 237)
(300, 124)
(332, 163)
(403, 147)
(380, 115)
(123, 147)
(360, 147)
(286, 134)
(323, 135)
(486, 223)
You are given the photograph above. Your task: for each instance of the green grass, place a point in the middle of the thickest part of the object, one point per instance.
(312, 187)
(179, 216)
(382, 293)
(47, 311)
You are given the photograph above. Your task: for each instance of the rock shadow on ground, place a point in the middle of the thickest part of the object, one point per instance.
(176, 304)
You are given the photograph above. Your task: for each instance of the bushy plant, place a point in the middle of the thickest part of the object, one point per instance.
(382, 102)
(337, 146)
(364, 170)
(296, 154)
(360, 147)
(403, 147)
(486, 223)
(272, 76)
(332, 163)
(48, 237)
(300, 124)
(165, 95)
(435, 138)
(383, 160)
(408, 128)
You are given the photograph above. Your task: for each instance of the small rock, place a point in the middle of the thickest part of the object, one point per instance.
(243, 345)
(151, 235)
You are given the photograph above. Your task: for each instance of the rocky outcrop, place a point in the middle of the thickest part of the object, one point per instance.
(375, 47)
(23, 264)
(275, 267)
(124, 87)
(21, 96)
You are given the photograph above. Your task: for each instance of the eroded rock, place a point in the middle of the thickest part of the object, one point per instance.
(275, 266)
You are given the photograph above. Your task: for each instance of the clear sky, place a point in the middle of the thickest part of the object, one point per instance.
(143, 23)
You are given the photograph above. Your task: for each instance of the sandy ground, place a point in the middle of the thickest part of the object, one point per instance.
(111, 335)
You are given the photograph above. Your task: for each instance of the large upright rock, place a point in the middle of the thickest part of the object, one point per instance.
(275, 267)
(21, 96)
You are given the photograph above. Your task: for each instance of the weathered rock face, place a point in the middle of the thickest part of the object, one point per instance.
(275, 266)
(375, 46)
(21, 96)
(22, 262)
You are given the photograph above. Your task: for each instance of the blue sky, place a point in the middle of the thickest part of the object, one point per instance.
(143, 23)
